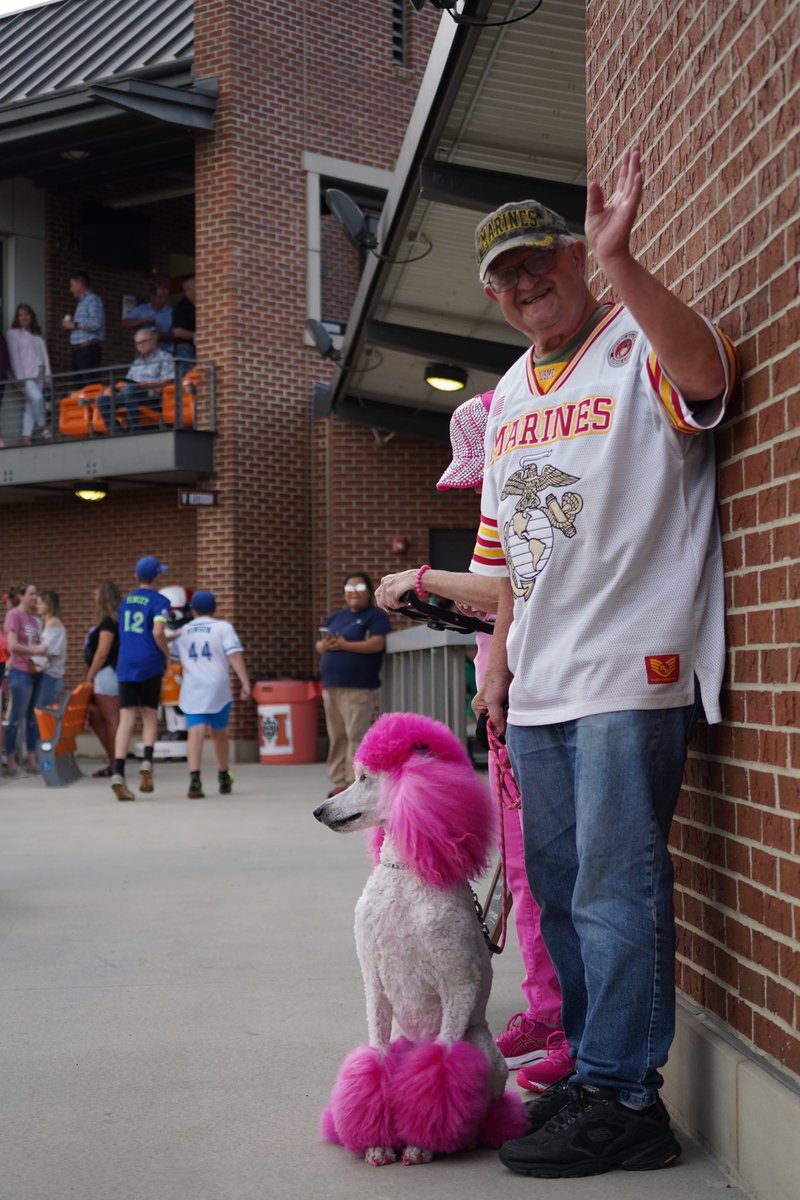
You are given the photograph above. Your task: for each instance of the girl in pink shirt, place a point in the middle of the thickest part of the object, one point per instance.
(30, 364)
(23, 631)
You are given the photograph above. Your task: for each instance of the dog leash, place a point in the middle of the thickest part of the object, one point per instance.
(508, 797)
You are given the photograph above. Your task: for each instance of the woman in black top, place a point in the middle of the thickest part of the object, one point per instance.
(102, 648)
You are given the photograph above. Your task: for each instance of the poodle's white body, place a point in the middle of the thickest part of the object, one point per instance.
(424, 960)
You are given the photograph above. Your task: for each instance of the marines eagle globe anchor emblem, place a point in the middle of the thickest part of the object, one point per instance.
(528, 536)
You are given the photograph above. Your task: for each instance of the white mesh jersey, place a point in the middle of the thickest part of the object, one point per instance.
(599, 502)
(203, 647)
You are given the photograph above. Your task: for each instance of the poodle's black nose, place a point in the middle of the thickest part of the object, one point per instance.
(318, 812)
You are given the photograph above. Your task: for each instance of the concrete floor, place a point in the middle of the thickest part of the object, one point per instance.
(179, 985)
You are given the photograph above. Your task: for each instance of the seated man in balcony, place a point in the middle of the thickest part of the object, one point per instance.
(148, 374)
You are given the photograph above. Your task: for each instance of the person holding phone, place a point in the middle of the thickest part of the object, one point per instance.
(351, 645)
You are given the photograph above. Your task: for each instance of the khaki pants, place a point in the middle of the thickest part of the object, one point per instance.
(349, 712)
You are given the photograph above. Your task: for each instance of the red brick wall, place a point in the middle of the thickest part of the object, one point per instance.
(313, 77)
(711, 90)
(366, 494)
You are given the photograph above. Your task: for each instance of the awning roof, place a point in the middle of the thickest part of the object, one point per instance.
(91, 89)
(495, 103)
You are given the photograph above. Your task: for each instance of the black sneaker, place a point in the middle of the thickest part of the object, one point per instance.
(225, 783)
(195, 791)
(548, 1103)
(591, 1134)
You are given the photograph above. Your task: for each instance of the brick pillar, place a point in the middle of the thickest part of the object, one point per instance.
(293, 77)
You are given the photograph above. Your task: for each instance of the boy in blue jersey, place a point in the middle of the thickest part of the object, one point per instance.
(143, 654)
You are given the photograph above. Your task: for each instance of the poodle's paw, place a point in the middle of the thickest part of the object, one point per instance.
(414, 1155)
(380, 1156)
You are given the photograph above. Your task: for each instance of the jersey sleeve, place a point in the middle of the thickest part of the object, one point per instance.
(230, 640)
(161, 612)
(683, 415)
(488, 557)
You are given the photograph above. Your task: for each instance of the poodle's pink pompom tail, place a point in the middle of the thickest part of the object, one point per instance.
(359, 1110)
(439, 1095)
(505, 1120)
(327, 1128)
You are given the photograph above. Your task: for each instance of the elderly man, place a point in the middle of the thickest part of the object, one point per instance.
(598, 513)
(156, 311)
(87, 327)
(148, 375)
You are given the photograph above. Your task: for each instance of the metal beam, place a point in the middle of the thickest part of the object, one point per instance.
(481, 190)
(184, 454)
(476, 353)
(447, 65)
(174, 106)
(395, 418)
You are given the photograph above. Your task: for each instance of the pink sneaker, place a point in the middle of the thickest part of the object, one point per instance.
(524, 1041)
(555, 1066)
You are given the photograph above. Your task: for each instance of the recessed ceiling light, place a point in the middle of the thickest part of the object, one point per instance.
(445, 378)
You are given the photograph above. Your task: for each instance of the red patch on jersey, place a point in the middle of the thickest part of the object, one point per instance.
(662, 668)
(620, 354)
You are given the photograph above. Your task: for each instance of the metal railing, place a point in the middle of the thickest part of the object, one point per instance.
(424, 671)
(79, 393)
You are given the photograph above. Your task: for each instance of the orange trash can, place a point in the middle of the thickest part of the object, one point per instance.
(288, 720)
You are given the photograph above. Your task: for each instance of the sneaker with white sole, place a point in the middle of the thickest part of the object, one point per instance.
(120, 788)
(557, 1064)
(146, 778)
(524, 1041)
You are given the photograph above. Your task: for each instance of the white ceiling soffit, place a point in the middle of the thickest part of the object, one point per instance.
(519, 109)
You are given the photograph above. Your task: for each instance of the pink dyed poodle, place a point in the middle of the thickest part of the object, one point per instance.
(440, 1085)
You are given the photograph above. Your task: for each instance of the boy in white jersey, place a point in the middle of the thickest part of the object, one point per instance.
(598, 515)
(207, 649)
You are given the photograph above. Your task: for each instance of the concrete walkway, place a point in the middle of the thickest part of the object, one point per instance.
(179, 985)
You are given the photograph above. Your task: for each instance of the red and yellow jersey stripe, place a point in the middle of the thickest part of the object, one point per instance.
(488, 553)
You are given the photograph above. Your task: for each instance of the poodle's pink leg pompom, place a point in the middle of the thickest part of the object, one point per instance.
(440, 1095)
(505, 1120)
(359, 1107)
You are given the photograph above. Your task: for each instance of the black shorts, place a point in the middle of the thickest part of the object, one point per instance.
(140, 693)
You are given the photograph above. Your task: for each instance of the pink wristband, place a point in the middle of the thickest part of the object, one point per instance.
(418, 588)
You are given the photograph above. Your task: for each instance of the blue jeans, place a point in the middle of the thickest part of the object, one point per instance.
(50, 688)
(598, 796)
(129, 398)
(24, 689)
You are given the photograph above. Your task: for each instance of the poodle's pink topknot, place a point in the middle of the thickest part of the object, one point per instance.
(395, 737)
(440, 817)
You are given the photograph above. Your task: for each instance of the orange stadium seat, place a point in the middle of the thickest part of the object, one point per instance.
(75, 411)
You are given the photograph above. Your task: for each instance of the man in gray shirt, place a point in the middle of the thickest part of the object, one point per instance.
(148, 374)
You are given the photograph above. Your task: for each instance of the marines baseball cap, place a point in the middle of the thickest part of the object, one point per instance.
(148, 567)
(467, 431)
(203, 603)
(520, 223)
